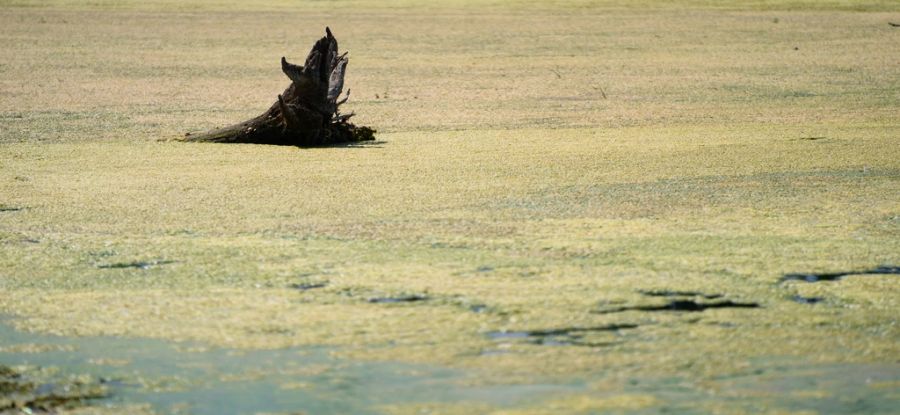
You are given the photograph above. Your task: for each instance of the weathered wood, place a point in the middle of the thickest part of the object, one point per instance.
(307, 113)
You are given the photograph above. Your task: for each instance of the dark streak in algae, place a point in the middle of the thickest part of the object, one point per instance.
(681, 305)
(560, 337)
(401, 299)
(837, 276)
(667, 293)
(135, 264)
(308, 285)
(807, 300)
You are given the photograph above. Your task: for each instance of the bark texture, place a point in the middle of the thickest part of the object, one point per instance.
(307, 113)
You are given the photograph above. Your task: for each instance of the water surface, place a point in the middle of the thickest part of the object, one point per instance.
(191, 378)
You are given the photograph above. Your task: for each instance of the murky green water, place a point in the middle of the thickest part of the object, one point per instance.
(186, 378)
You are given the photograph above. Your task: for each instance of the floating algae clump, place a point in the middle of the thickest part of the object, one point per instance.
(27, 393)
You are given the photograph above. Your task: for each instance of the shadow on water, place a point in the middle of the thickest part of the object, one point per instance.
(359, 144)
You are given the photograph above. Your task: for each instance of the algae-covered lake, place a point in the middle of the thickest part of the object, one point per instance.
(570, 207)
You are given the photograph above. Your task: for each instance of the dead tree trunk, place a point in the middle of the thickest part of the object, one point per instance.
(307, 113)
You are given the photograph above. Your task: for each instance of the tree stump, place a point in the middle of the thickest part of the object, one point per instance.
(307, 113)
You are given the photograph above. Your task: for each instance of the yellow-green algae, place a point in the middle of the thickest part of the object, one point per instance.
(569, 161)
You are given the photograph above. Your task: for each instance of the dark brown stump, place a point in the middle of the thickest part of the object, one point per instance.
(307, 113)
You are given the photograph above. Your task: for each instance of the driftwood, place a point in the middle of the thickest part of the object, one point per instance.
(307, 113)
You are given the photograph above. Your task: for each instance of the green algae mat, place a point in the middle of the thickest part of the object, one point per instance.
(574, 207)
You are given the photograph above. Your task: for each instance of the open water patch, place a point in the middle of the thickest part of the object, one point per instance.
(190, 378)
(199, 380)
(795, 386)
